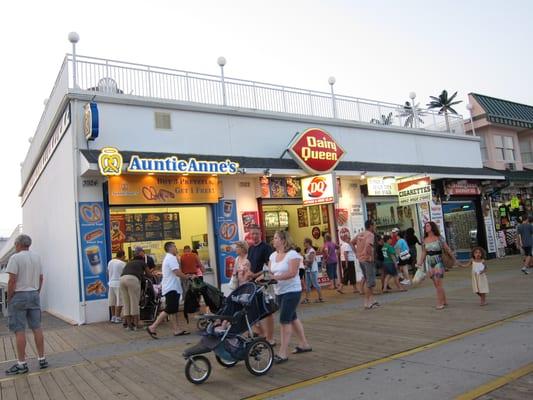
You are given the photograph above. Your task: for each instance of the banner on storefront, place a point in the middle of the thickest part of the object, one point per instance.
(414, 190)
(381, 186)
(491, 234)
(318, 189)
(437, 216)
(461, 188)
(227, 234)
(93, 248)
(162, 189)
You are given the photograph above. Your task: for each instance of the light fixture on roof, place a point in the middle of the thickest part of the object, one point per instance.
(363, 175)
(267, 173)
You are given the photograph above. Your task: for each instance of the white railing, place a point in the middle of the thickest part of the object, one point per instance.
(121, 78)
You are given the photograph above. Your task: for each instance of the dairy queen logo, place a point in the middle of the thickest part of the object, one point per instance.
(317, 186)
(316, 151)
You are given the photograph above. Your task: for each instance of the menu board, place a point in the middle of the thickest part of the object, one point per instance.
(152, 227)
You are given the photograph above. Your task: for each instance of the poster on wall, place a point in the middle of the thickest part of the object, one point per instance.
(424, 215)
(325, 214)
(341, 214)
(118, 231)
(249, 219)
(303, 217)
(280, 188)
(436, 215)
(93, 249)
(314, 215)
(227, 234)
(414, 190)
(318, 189)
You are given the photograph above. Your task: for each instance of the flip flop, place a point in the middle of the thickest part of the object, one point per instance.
(152, 334)
(298, 350)
(280, 360)
(182, 333)
(273, 344)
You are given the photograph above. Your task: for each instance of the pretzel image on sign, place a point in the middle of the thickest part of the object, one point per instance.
(91, 214)
(110, 161)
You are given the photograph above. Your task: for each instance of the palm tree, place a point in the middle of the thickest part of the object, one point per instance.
(384, 119)
(444, 104)
(407, 110)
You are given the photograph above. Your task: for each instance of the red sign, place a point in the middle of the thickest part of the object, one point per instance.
(462, 188)
(316, 151)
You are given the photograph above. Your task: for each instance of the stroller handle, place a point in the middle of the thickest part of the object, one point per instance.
(266, 282)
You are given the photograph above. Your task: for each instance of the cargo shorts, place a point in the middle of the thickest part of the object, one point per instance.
(24, 307)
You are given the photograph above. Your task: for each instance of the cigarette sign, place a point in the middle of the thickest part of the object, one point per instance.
(414, 190)
(318, 189)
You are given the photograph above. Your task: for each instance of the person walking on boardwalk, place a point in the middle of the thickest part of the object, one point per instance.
(364, 246)
(525, 241)
(311, 271)
(331, 260)
(432, 249)
(480, 283)
(114, 270)
(24, 304)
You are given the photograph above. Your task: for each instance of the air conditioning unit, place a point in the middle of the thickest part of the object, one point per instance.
(510, 166)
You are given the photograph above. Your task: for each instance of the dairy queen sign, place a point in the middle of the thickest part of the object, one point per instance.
(316, 151)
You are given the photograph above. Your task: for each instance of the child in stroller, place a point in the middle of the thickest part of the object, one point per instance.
(226, 334)
(150, 301)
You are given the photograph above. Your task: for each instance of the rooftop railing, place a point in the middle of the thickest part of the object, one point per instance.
(120, 78)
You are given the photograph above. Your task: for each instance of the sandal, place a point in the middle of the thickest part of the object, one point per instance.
(273, 344)
(319, 301)
(152, 334)
(182, 333)
(280, 360)
(305, 301)
(441, 307)
(298, 350)
(340, 291)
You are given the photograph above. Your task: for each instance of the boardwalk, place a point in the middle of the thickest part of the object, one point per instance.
(104, 361)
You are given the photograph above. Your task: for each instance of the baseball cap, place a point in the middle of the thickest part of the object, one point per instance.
(395, 230)
(137, 250)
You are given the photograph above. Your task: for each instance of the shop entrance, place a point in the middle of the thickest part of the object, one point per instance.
(150, 227)
(388, 214)
(460, 222)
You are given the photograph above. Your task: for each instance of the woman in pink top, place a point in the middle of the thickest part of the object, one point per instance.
(331, 260)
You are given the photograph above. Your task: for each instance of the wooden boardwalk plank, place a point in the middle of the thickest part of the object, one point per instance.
(51, 387)
(37, 389)
(67, 387)
(23, 388)
(108, 381)
(8, 390)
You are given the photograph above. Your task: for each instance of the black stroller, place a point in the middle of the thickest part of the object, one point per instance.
(150, 300)
(225, 334)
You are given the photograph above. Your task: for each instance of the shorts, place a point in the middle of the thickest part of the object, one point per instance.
(172, 302)
(287, 303)
(311, 278)
(24, 307)
(369, 272)
(331, 270)
(404, 262)
(390, 269)
(114, 299)
(527, 251)
(349, 274)
(301, 272)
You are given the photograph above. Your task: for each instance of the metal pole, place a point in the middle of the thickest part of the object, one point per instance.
(331, 81)
(223, 85)
(74, 72)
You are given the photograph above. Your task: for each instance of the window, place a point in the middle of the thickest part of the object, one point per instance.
(525, 151)
(504, 148)
(162, 120)
(483, 146)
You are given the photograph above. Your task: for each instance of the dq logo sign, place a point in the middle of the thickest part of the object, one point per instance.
(316, 151)
(318, 189)
(317, 186)
(110, 161)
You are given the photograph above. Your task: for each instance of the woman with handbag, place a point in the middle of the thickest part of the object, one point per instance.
(432, 250)
(404, 257)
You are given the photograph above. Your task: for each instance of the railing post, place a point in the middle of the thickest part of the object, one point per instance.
(311, 104)
(359, 110)
(331, 81)
(284, 99)
(187, 86)
(221, 62)
(74, 38)
(149, 82)
(255, 95)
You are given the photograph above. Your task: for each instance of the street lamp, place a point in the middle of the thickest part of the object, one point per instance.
(412, 96)
(469, 107)
(74, 38)
(331, 81)
(221, 61)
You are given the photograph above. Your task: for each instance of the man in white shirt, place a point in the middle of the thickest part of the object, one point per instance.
(114, 271)
(171, 289)
(352, 273)
(24, 305)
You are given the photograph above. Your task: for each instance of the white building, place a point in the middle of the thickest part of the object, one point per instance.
(76, 215)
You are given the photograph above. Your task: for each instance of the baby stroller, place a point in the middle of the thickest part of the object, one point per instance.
(213, 298)
(150, 300)
(225, 334)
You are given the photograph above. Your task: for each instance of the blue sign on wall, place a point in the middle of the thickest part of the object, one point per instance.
(227, 234)
(93, 249)
(91, 121)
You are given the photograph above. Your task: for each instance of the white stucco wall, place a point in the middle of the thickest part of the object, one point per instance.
(49, 217)
(132, 128)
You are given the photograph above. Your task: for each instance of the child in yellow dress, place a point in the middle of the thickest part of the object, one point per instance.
(480, 283)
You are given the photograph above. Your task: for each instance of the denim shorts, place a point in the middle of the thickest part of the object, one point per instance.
(331, 270)
(311, 278)
(24, 306)
(287, 303)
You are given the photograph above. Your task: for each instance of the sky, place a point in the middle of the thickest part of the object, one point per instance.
(376, 49)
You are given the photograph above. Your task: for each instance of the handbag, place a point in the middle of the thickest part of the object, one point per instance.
(233, 282)
(405, 255)
(420, 275)
(447, 257)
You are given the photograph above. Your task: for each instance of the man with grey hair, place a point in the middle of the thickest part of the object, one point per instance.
(23, 289)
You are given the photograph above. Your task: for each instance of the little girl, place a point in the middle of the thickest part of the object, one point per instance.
(480, 284)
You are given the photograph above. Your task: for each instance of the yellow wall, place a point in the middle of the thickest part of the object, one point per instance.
(298, 234)
(193, 221)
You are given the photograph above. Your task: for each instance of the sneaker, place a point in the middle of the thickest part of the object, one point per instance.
(118, 320)
(524, 270)
(43, 363)
(406, 282)
(18, 369)
(113, 319)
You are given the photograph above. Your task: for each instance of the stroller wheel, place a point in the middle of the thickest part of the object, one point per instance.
(259, 357)
(201, 324)
(226, 363)
(197, 369)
